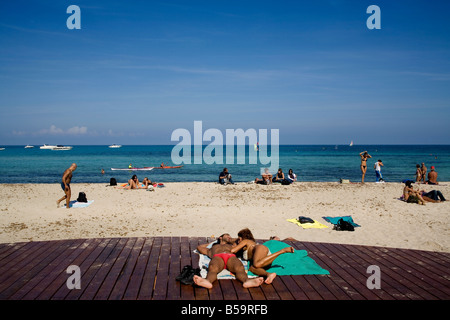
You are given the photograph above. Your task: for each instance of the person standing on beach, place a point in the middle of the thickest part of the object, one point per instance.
(364, 156)
(423, 168)
(65, 185)
(377, 166)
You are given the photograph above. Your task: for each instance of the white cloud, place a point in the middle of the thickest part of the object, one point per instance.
(58, 131)
(77, 130)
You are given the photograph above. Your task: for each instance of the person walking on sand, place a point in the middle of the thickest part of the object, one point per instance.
(222, 258)
(65, 185)
(377, 166)
(364, 156)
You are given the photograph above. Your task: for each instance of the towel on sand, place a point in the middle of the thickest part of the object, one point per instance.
(334, 220)
(296, 263)
(76, 204)
(316, 224)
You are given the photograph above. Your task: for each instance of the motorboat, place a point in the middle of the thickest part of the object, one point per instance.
(115, 146)
(60, 147)
(28, 146)
(47, 147)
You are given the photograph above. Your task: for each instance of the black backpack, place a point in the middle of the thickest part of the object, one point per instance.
(113, 182)
(343, 225)
(82, 197)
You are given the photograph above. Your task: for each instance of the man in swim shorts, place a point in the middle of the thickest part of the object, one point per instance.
(65, 185)
(222, 258)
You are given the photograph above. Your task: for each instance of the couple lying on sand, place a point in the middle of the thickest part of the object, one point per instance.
(223, 256)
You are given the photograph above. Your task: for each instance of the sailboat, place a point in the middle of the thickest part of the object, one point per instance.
(351, 143)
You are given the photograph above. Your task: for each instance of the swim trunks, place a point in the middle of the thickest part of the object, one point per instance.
(63, 186)
(225, 257)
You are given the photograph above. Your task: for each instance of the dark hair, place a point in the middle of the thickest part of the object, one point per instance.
(408, 183)
(134, 176)
(246, 234)
(417, 165)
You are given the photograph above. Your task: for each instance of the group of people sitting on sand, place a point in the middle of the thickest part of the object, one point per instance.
(133, 183)
(412, 195)
(224, 255)
(266, 178)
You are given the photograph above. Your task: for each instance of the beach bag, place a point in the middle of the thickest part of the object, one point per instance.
(82, 197)
(343, 225)
(302, 219)
(413, 199)
(113, 182)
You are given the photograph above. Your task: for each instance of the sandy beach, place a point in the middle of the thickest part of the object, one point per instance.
(28, 212)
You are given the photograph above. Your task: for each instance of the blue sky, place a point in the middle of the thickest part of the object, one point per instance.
(138, 70)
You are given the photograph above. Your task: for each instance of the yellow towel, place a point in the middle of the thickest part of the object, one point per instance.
(316, 224)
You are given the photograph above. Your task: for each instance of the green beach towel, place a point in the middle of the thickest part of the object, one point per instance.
(296, 263)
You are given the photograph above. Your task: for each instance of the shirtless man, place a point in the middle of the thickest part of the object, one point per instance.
(222, 258)
(65, 185)
(432, 176)
(266, 177)
(364, 156)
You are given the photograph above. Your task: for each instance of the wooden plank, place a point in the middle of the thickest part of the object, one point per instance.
(124, 278)
(342, 290)
(88, 270)
(29, 267)
(296, 292)
(58, 286)
(187, 292)
(118, 263)
(103, 270)
(417, 273)
(173, 286)
(44, 277)
(6, 249)
(162, 274)
(23, 261)
(145, 268)
(396, 286)
(358, 269)
(200, 292)
(135, 282)
(340, 270)
(148, 279)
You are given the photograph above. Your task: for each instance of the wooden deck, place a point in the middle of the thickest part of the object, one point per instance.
(145, 269)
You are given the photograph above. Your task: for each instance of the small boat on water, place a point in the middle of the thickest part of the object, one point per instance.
(351, 143)
(28, 146)
(1, 149)
(47, 147)
(60, 147)
(115, 146)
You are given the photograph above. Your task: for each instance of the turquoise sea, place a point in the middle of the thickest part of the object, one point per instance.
(309, 162)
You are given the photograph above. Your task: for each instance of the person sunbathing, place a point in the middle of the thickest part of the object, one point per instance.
(222, 258)
(410, 195)
(258, 254)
